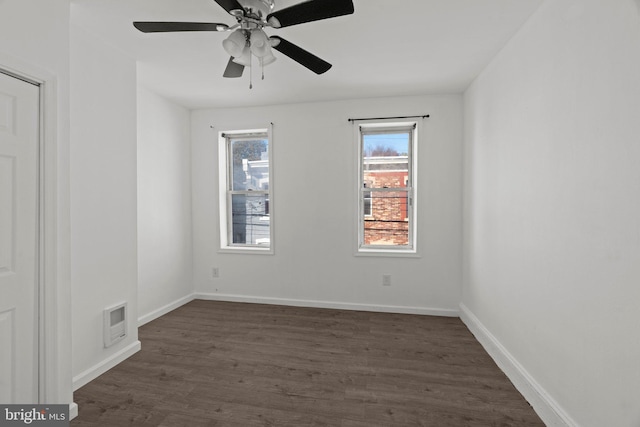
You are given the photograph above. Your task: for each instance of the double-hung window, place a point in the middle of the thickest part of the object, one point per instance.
(245, 196)
(387, 171)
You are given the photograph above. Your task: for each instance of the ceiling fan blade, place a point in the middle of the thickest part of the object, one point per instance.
(300, 55)
(233, 69)
(165, 27)
(312, 10)
(230, 6)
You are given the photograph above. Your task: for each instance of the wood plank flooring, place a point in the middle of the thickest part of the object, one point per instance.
(229, 364)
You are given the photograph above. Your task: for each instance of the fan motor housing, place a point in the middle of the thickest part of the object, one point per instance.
(258, 8)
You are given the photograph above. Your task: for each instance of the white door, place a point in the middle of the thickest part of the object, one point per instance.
(19, 139)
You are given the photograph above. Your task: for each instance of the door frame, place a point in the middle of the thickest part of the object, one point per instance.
(53, 286)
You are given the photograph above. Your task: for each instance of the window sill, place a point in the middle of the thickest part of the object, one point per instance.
(245, 251)
(392, 253)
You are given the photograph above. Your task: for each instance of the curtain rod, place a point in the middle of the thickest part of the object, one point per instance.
(385, 118)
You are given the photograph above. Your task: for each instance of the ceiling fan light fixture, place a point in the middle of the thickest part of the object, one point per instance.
(259, 43)
(267, 59)
(235, 43)
(244, 58)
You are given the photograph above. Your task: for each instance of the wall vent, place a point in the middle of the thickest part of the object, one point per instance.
(115, 324)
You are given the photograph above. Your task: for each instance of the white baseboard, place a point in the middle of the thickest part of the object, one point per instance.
(545, 406)
(329, 304)
(164, 310)
(73, 410)
(102, 367)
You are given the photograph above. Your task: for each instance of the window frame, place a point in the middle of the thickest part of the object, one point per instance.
(381, 127)
(226, 191)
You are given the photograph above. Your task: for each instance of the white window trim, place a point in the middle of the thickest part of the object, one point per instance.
(387, 251)
(223, 198)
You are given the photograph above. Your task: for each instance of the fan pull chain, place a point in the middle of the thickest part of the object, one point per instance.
(250, 73)
(262, 67)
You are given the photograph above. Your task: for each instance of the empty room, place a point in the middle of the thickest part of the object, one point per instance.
(321, 213)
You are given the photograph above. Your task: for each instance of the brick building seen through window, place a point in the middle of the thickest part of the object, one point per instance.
(386, 220)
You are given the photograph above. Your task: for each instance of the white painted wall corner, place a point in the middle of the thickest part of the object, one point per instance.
(165, 309)
(545, 406)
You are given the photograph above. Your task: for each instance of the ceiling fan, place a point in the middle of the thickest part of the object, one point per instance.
(248, 38)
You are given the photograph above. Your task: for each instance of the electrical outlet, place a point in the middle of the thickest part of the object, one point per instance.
(386, 280)
(215, 272)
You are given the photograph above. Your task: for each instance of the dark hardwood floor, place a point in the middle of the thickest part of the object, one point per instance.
(229, 364)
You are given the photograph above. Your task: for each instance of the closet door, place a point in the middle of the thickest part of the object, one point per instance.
(19, 140)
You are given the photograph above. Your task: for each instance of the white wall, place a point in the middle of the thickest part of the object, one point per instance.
(103, 199)
(552, 206)
(314, 210)
(37, 44)
(164, 205)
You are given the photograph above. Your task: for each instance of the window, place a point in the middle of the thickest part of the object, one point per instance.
(245, 198)
(387, 186)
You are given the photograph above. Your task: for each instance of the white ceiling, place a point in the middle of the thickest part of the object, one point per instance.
(386, 48)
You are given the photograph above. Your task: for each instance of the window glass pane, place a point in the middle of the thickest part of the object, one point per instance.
(385, 159)
(249, 164)
(386, 187)
(250, 219)
(388, 222)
